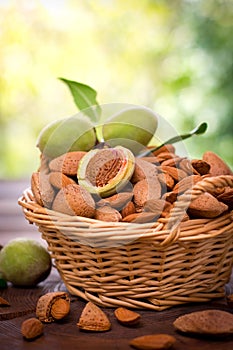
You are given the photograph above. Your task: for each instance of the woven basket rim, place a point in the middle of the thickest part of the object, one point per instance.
(97, 233)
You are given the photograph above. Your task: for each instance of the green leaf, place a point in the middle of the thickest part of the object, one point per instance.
(84, 98)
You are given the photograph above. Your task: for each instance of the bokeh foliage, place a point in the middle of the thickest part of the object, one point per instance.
(172, 56)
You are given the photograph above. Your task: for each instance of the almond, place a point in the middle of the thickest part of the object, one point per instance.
(174, 162)
(186, 165)
(46, 190)
(143, 170)
(155, 205)
(170, 197)
(67, 163)
(35, 187)
(153, 342)
(59, 180)
(60, 308)
(52, 306)
(128, 209)
(32, 328)
(176, 173)
(4, 302)
(44, 164)
(166, 180)
(42, 189)
(108, 214)
(217, 165)
(74, 200)
(200, 166)
(145, 190)
(229, 300)
(141, 218)
(206, 206)
(206, 322)
(127, 317)
(93, 319)
(166, 148)
(117, 201)
(151, 159)
(186, 183)
(164, 156)
(226, 196)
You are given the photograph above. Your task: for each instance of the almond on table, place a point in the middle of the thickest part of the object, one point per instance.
(32, 328)
(93, 318)
(153, 342)
(127, 317)
(52, 306)
(4, 302)
(206, 322)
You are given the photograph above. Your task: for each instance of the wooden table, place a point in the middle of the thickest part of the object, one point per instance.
(65, 334)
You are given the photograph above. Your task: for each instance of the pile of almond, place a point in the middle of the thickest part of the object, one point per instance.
(150, 194)
(209, 322)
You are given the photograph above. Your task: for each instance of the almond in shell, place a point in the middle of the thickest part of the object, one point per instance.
(128, 209)
(176, 173)
(206, 206)
(166, 148)
(226, 197)
(93, 319)
(67, 163)
(141, 218)
(186, 165)
(42, 189)
(35, 187)
(143, 170)
(166, 180)
(59, 180)
(146, 189)
(107, 213)
(74, 200)
(217, 165)
(201, 166)
(206, 322)
(117, 201)
(186, 183)
(155, 205)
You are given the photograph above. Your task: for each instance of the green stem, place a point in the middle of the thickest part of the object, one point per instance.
(200, 129)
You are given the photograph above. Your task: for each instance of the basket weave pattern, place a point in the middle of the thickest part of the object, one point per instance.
(154, 266)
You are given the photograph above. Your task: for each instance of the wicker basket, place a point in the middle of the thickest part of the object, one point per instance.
(154, 266)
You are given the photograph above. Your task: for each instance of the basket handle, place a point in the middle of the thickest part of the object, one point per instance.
(209, 184)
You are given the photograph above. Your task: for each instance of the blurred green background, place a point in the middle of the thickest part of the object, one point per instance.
(174, 57)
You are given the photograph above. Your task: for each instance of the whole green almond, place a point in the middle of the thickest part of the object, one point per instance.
(75, 133)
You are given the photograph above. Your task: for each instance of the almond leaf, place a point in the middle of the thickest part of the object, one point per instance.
(84, 98)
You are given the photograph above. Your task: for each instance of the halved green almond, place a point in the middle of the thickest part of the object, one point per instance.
(106, 171)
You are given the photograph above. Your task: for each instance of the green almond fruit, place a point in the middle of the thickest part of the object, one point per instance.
(24, 262)
(75, 133)
(132, 127)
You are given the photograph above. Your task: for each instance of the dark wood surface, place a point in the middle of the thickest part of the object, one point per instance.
(65, 334)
